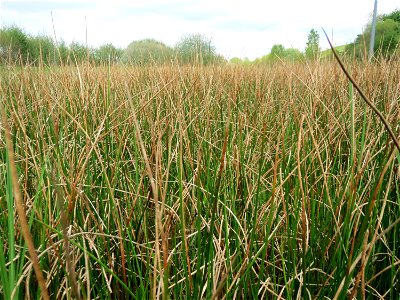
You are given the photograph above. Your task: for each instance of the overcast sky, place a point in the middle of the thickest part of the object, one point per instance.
(237, 28)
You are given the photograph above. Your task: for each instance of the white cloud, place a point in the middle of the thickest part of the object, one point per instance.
(237, 28)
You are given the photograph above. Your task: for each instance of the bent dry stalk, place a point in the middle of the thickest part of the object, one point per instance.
(370, 104)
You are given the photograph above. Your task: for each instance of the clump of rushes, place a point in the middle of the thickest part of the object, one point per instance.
(217, 182)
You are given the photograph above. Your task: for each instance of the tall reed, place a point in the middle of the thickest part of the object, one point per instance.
(202, 182)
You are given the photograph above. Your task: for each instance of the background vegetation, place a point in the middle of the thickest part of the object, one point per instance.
(18, 47)
(386, 40)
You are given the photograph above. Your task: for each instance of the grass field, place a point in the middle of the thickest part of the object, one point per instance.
(224, 182)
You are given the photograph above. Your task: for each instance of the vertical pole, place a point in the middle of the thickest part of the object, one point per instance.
(372, 40)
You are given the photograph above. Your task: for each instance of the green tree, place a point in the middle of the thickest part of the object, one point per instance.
(197, 48)
(63, 53)
(387, 37)
(312, 48)
(147, 51)
(43, 50)
(394, 15)
(14, 45)
(235, 60)
(277, 51)
(293, 54)
(107, 53)
(79, 52)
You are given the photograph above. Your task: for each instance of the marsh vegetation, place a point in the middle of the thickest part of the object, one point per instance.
(219, 182)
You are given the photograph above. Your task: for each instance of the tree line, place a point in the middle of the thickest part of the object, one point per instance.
(387, 44)
(16, 46)
(387, 37)
(280, 53)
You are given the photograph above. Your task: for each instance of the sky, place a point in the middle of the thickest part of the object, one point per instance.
(236, 28)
